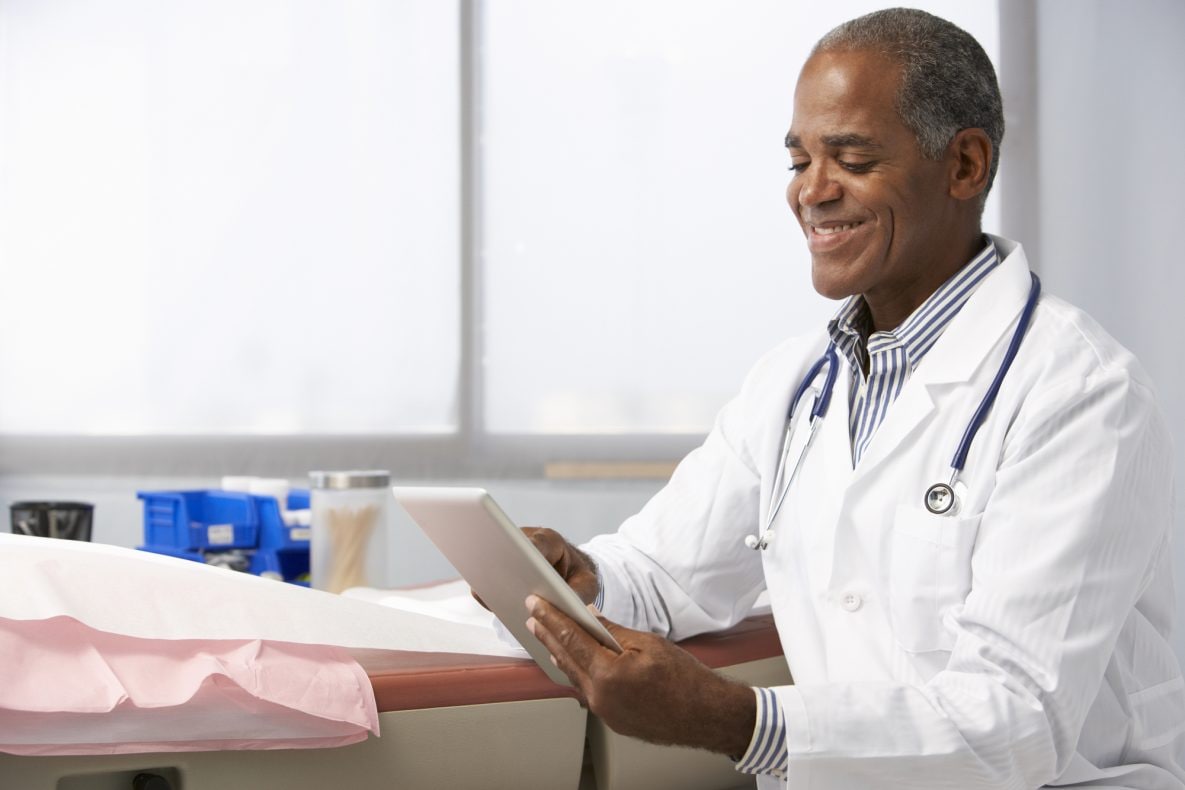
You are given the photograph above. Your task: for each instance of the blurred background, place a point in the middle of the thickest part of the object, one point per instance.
(529, 245)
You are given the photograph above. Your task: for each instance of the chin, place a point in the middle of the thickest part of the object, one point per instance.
(829, 283)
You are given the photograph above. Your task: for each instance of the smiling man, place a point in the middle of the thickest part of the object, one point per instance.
(882, 217)
(996, 622)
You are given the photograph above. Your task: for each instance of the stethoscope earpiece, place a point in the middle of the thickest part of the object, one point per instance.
(755, 543)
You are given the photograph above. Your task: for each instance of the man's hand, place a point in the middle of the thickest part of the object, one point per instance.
(573, 565)
(652, 690)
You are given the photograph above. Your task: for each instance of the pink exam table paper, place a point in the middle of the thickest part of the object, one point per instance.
(111, 650)
(69, 689)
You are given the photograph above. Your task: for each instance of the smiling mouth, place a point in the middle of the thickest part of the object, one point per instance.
(827, 231)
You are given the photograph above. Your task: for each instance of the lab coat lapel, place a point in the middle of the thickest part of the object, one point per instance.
(960, 351)
(910, 411)
(834, 438)
(816, 500)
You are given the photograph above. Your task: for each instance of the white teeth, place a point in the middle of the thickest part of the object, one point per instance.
(836, 229)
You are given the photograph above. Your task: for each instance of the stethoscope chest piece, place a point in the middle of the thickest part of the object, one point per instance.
(940, 499)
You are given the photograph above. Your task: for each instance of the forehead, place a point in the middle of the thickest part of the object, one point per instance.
(845, 94)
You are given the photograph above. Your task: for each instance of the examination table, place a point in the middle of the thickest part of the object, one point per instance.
(448, 721)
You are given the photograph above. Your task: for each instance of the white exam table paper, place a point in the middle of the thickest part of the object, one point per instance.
(451, 601)
(151, 596)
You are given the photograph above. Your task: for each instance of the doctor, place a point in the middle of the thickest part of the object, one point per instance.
(1007, 632)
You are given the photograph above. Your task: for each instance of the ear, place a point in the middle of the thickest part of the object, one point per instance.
(970, 156)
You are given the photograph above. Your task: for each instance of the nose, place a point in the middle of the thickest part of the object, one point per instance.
(816, 185)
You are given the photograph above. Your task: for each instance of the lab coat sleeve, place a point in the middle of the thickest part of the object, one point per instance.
(680, 567)
(1065, 548)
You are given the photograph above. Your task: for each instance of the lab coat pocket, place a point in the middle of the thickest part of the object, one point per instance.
(929, 574)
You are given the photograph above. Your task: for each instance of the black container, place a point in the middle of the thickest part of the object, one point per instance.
(70, 520)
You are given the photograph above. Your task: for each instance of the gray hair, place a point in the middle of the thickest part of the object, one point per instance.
(947, 81)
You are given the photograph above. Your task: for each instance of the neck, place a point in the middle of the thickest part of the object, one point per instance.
(890, 308)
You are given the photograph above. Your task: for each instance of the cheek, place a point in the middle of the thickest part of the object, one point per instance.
(792, 198)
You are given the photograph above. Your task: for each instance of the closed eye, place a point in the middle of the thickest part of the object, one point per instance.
(851, 167)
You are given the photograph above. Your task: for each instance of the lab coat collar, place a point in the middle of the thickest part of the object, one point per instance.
(958, 353)
(988, 314)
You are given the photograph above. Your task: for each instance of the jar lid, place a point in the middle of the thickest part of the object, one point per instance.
(368, 478)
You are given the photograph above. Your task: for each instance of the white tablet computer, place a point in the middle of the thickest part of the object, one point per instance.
(499, 562)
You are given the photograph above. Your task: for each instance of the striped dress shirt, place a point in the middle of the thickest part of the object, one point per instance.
(891, 356)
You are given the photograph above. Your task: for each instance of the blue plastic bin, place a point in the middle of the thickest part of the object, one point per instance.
(196, 520)
(291, 565)
(273, 532)
(193, 524)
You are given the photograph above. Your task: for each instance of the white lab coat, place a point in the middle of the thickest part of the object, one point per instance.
(1018, 644)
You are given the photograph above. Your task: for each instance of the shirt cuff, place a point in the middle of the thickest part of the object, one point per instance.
(767, 749)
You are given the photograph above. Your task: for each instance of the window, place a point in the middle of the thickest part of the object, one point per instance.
(519, 229)
(638, 251)
(229, 218)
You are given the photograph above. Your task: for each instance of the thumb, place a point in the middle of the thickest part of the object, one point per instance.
(610, 626)
(605, 621)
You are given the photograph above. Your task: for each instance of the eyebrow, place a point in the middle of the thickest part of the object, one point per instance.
(845, 140)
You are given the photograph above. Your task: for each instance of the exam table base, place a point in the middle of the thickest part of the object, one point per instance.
(513, 745)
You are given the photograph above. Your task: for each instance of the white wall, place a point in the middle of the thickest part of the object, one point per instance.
(1110, 98)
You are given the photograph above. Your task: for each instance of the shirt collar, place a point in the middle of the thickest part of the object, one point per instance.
(851, 328)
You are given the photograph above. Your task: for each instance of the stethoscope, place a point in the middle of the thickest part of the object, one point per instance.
(940, 498)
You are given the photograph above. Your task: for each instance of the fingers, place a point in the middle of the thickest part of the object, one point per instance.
(583, 577)
(654, 691)
(574, 566)
(549, 543)
(573, 649)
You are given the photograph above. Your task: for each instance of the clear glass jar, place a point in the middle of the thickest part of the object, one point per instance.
(348, 547)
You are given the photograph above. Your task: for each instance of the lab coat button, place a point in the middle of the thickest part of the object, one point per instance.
(851, 601)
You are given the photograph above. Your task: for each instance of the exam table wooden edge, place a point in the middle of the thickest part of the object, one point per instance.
(411, 681)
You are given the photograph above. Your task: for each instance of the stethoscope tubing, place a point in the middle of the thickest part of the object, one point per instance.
(830, 360)
(823, 400)
(989, 397)
(818, 411)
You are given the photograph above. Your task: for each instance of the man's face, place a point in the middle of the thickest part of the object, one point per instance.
(877, 215)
